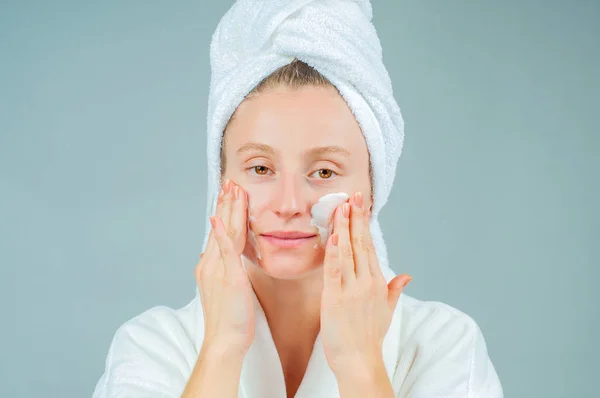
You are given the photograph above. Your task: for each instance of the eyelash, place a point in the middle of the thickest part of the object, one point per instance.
(255, 167)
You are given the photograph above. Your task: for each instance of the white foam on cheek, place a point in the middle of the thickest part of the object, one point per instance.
(322, 210)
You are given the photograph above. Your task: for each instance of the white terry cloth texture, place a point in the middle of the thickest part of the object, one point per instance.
(430, 349)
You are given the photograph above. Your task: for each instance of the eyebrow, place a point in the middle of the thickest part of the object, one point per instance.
(255, 147)
(327, 150)
(314, 152)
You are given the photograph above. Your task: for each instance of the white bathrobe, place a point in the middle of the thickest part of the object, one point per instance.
(430, 351)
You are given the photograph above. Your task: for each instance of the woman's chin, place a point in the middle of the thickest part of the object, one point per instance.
(283, 265)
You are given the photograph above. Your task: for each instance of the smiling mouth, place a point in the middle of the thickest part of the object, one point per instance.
(287, 242)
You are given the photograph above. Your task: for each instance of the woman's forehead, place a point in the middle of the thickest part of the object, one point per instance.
(302, 120)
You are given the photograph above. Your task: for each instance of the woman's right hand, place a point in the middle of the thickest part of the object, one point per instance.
(225, 290)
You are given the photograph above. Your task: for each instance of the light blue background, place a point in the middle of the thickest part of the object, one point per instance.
(102, 158)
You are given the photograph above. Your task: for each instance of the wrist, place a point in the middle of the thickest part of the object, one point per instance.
(362, 366)
(216, 373)
(222, 352)
(361, 374)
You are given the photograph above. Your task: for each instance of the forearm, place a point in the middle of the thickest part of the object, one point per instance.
(216, 374)
(362, 383)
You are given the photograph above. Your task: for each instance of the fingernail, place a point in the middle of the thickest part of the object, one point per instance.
(221, 192)
(236, 191)
(328, 242)
(334, 239)
(356, 200)
(359, 200)
(406, 283)
(346, 210)
(226, 184)
(352, 200)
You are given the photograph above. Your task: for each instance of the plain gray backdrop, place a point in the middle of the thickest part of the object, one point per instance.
(494, 211)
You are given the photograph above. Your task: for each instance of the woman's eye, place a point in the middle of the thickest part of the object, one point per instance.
(325, 173)
(260, 170)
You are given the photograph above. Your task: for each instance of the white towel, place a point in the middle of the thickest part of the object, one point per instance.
(430, 349)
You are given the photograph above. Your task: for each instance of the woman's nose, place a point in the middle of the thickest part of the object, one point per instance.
(291, 198)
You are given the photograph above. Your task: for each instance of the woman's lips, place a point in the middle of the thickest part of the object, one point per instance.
(287, 243)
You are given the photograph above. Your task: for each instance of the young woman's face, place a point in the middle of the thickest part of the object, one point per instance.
(287, 148)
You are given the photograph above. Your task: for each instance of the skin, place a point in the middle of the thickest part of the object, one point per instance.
(284, 184)
(338, 289)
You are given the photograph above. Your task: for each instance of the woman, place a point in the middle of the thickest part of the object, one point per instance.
(278, 312)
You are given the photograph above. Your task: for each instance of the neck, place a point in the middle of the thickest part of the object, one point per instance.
(291, 306)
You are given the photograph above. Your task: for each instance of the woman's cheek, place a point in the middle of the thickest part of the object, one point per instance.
(257, 202)
(258, 198)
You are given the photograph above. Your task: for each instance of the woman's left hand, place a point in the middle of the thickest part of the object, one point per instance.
(357, 303)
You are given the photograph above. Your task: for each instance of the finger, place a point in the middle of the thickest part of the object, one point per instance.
(211, 245)
(198, 268)
(332, 274)
(207, 266)
(231, 260)
(359, 239)
(225, 203)
(395, 289)
(346, 258)
(238, 223)
(370, 248)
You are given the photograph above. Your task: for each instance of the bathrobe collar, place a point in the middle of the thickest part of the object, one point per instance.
(262, 372)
